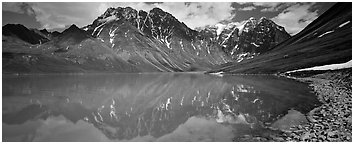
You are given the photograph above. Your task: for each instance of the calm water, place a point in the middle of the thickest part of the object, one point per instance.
(149, 107)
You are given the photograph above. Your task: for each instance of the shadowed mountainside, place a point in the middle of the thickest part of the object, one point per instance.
(327, 40)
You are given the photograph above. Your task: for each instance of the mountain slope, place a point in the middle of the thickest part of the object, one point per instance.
(155, 38)
(127, 40)
(327, 40)
(21, 32)
(248, 39)
(70, 52)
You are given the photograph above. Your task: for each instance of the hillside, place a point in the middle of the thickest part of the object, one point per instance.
(327, 40)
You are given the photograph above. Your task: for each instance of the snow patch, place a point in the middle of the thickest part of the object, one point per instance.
(208, 50)
(99, 32)
(234, 49)
(255, 44)
(97, 28)
(327, 67)
(111, 35)
(193, 46)
(220, 28)
(101, 39)
(241, 27)
(181, 43)
(109, 19)
(168, 103)
(326, 33)
(168, 44)
(343, 24)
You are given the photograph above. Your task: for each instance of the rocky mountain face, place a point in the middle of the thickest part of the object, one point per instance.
(247, 40)
(327, 40)
(127, 40)
(156, 38)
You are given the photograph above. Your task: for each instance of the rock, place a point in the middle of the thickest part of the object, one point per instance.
(305, 136)
(330, 134)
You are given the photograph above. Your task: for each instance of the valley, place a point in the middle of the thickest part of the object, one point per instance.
(135, 75)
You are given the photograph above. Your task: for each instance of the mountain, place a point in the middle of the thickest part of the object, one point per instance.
(247, 40)
(327, 40)
(127, 40)
(155, 38)
(21, 32)
(47, 34)
(72, 51)
(120, 40)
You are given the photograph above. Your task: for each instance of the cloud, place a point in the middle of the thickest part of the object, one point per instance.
(199, 14)
(268, 6)
(22, 8)
(58, 15)
(249, 8)
(276, 7)
(296, 17)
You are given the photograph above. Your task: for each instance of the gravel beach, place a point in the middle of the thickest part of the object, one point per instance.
(329, 122)
(332, 121)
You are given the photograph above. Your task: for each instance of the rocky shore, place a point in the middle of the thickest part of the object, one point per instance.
(329, 122)
(332, 121)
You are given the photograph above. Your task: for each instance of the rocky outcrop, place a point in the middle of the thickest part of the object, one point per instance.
(247, 40)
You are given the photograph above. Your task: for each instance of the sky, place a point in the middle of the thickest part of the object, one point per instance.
(59, 15)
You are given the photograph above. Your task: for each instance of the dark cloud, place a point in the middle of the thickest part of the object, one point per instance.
(26, 8)
(19, 18)
(19, 7)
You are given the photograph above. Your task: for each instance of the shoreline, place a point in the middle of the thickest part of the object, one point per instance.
(332, 120)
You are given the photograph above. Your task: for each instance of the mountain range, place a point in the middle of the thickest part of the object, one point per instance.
(127, 40)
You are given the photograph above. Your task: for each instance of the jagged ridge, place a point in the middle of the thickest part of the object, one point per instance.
(154, 41)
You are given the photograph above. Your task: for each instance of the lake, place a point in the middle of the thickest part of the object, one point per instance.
(150, 107)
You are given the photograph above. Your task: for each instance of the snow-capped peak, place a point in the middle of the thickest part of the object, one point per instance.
(109, 19)
(220, 27)
(241, 27)
(252, 20)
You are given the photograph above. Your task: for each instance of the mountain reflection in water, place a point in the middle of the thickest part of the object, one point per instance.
(146, 107)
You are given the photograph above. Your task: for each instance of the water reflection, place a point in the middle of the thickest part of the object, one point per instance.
(149, 107)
